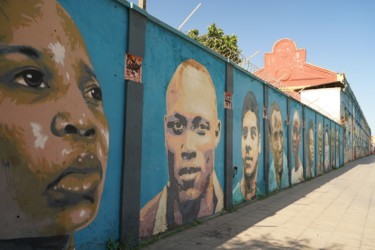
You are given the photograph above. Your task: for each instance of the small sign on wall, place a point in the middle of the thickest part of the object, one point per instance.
(228, 100)
(133, 68)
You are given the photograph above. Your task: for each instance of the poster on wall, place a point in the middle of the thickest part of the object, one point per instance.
(183, 124)
(296, 127)
(327, 145)
(278, 174)
(310, 138)
(333, 145)
(54, 135)
(337, 145)
(248, 181)
(319, 144)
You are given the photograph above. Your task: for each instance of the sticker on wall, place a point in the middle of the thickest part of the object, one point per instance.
(228, 100)
(133, 70)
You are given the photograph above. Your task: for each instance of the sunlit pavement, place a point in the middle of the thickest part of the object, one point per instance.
(333, 211)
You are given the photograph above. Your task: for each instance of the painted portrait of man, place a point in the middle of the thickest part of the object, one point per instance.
(333, 147)
(53, 131)
(337, 148)
(192, 132)
(319, 163)
(250, 150)
(326, 150)
(297, 167)
(310, 150)
(278, 171)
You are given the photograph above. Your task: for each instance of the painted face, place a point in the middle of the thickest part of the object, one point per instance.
(192, 130)
(332, 146)
(337, 143)
(326, 145)
(320, 139)
(250, 143)
(53, 132)
(296, 134)
(311, 147)
(277, 140)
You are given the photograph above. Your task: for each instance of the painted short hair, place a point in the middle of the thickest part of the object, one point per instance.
(250, 104)
(274, 107)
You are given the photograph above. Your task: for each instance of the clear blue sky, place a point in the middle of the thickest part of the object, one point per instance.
(338, 35)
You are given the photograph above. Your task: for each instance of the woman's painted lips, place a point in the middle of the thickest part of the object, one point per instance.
(77, 183)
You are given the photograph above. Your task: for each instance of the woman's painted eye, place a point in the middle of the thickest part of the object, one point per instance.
(94, 93)
(31, 78)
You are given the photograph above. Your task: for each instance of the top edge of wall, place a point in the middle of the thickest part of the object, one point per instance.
(151, 18)
(184, 36)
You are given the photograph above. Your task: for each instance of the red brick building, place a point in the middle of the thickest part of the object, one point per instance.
(287, 65)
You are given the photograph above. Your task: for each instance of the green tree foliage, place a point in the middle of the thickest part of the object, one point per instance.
(216, 40)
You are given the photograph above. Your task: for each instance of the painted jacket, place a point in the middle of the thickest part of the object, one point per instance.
(272, 183)
(156, 213)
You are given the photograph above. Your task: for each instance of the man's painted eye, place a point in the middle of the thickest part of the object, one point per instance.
(253, 133)
(178, 127)
(31, 78)
(202, 128)
(94, 93)
(244, 132)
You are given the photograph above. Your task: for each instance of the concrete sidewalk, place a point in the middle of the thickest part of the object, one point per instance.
(333, 211)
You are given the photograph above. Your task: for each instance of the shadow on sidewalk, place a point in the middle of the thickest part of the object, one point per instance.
(214, 232)
(268, 243)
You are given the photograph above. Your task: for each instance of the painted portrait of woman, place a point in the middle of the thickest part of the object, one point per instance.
(53, 130)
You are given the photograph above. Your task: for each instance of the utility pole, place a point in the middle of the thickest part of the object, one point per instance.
(142, 4)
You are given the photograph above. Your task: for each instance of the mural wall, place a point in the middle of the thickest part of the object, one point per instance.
(65, 133)
(357, 134)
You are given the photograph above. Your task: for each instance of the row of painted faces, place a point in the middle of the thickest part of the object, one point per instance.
(192, 132)
(54, 134)
(316, 164)
(278, 175)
